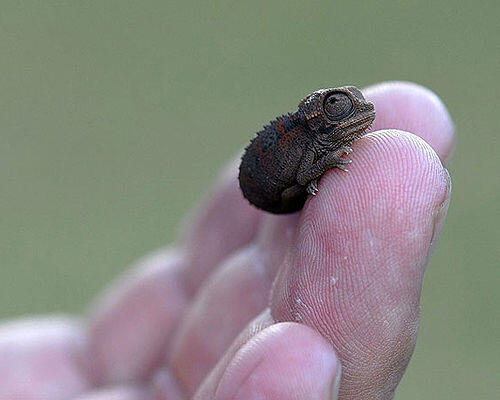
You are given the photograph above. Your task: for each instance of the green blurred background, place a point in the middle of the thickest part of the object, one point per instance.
(116, 115)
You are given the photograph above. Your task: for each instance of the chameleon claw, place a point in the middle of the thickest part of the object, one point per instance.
(291, 153)
(312, 188)
(347, 149)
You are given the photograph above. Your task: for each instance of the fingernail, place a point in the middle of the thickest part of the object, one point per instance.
(336, 382)
(440, 213)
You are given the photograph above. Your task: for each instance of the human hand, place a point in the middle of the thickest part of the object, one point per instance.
(248, 305)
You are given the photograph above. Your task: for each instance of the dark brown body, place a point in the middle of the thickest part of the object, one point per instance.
(271, 163)
(283, 163)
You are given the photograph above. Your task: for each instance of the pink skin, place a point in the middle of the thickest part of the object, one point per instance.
(42, 358)
(257, 369)
(117, 393)
(345, 274)
(146, 303)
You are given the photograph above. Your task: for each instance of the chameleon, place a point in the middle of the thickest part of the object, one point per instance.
(283, 163)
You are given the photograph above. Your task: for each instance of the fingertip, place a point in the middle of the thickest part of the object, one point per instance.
(132, 322)
(396, 180)
(356, 266)
(389, 167)
(223, 222)
(42, 357)
(228, 300)
(284, 361)
(117, 393)
(413, 108)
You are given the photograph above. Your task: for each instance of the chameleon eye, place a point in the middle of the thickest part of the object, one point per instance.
(337, 106)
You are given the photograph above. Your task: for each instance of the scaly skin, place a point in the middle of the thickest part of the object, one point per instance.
(282, 164)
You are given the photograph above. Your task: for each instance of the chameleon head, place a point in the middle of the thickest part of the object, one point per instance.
(342, 112)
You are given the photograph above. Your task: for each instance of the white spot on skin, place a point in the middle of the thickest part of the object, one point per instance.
(333, 280)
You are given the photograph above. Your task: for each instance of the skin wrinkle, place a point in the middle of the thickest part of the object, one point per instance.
(250, 362)
(208, 387)
(205, 316)
(398, 324)
(320, 247)
(394, 121)
(340, 280)
(360, 347)
(410, 174)
(247, 375)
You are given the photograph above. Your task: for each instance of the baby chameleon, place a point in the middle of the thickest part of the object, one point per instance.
(283, 163)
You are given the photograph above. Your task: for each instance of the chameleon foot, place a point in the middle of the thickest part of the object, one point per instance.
(346, 149)
(312, 188)
(340, 164)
